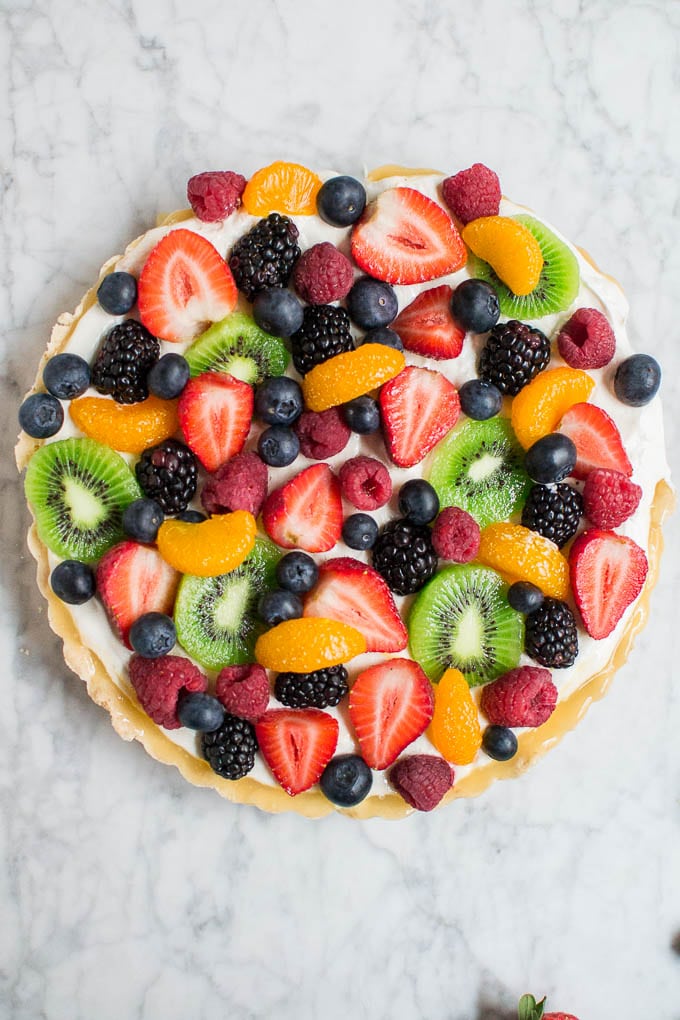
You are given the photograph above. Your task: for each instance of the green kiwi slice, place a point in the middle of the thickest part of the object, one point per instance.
(462, 618)
(238, 347)
(78, 489)
(216, 617)
(558, 284)
(479, 466)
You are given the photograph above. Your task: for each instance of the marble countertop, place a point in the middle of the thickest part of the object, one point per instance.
(125, 893)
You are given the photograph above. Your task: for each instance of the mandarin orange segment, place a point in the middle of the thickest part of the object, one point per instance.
(209, 548)
(350, 375)
(283, 188)
(308, 643)
(455, 729)
(130, 428)
(510, 249)
(538, 409)
(519, 554)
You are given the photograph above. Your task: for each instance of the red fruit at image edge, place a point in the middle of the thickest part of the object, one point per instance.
(365, 482)
(215, 194)
(427, 327)
(587, 340)
(244, 691)
(297, 744)
(158, 683)
(323, 274)
(418, 407)
(456, 535)
(610, 498)
(238, 484)
(607, 573)
(422, 780)
(525, 696)
(322, 434)
(472, 193)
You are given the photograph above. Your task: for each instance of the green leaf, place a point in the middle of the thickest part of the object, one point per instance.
(529, 1009)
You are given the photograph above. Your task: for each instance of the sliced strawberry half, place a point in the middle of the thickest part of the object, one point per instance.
(390, 705)
(215, 411)
(405, 237)
(607, 575)
(597, 440)
(427, 327)
(184, 286)
(297, 745)
(134, 579)
(419, 406)
(306, 512)
(354, 593)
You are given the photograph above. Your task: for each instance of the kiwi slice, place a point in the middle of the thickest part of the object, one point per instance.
(216, 617)
(479, 466)
(238, 347)
(462, 618)
(558, 284)
(78, 489)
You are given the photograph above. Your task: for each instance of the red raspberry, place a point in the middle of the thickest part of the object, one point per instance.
(559, 1016)
(587, 340)
(244, 691)
(525, 696)
(456, 535)
(158, 683)
(609, 498)
(422, 780)
(473, 193)
(365, 482)
(215, 194)
(323, 274)
(238, 484)
(321, 433)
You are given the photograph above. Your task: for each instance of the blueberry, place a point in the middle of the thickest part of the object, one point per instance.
(278, 401)
(117, 293)
(475, 306)
(359, 531)
(384, 335)
(525, 597)
(141, 519)
(191, 516)
(346, 780)
(372, 303)
(66, 376)
(341, 201)
(418, 501)
(480, 399)
(277, 311)
(297, 572)
(41, 415)
(278, 446)
(199, 711)
(276, 606)
(73, 582)
(153, 635)
(551, 458)
(499, 742)
(169, 376)
(637, 380)
(362, 415)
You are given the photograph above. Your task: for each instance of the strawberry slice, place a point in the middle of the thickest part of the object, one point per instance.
(184, 286)
(134, 579)
(306, 512)
(419, 406)
(390, 705)
(354, 593)
(427, 327)
(607, 574)
(215, 411)
(297, 745)
(597, 440)
(405, 237)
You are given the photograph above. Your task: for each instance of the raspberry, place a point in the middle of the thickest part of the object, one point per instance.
(323, 274)
(238, 484)
(609, 498)
(473, 193)
(422, 780)
(365, 482)
(455, 535)
(158, 683)
(587, 340)
(321, 433)
(215, 194)
(244, 691)
(525, 696)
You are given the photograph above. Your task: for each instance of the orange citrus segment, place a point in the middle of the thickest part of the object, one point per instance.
(309, 643)
(519, 554)
(281, 187)
(538, 409)
(350, 375)
(455, 729)
(209, 548)
(510, 249)
(130, 428)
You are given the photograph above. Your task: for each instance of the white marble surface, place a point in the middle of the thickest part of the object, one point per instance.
(124, 893)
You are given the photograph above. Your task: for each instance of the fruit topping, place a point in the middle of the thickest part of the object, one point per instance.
(324, 333)
(529, 1009)
(474, 306)
(455, 729)
(610, 498)
(117, 293)
(637, 380)
(281, 187)
(278, 401)
(551, 637)
(168, 473)
(340, 201)
(73, 582)
(472, 193)
(323, 274)
(230, 750)
(297, 744)
(152, 635)
(554, 512)
(513, 355)
(41, 416)
(403, 554)
(159, 682)
(215, 412)
(427, 327)
(265, 256)
(321, 434)
(456, 535)
(359, 531)
(597, 440)
(278, 446)
(306, 512)
(319, 689)
(132, 580)
(243, 690)
(307, 644)
(123, 360)
(510, 249)
(238, 484)
(131, 428)
(362, 415)
(352, 374)
(587, 340)
(607, 575)
(499, 742)
(479, 399)
(541, 405)
(212, 547)
(372, 303)
(418, 501)
(238, 347)
(277, 311)
(215, 194)
(551, 458)
(422, 780)
(276, 606)
(525, 696)
(525, 597)
(296, 571)
(418, 408)
(365, 482)
(390, 705)
(66, 376)
(346, 780)
(199, 711)
(384, 335)
(523, 555)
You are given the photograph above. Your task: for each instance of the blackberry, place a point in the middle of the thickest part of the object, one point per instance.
(123, 361)
(265, 256)
(403, 554)
(168, 473)
(230, 750)
(551, 636)
(554, 511)
(318, 689)
(514, 353)
(324, 333)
